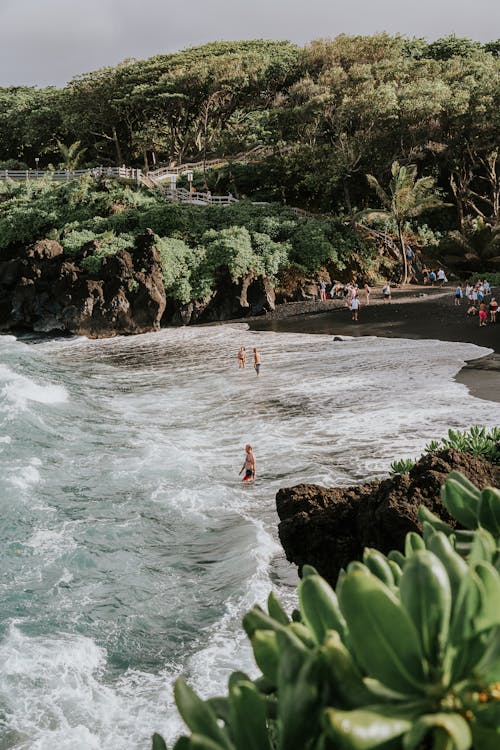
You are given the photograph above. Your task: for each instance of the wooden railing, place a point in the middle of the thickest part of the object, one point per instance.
(60, 175)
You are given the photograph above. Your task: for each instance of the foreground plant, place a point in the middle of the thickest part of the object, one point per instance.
(477, 441)
(404, 655)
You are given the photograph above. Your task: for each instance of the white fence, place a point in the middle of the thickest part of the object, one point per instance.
(151, 180)
(60, 175)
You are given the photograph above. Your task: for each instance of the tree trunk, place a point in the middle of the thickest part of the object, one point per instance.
(119, 156)
(403, 250)
(347, 197)
(146, 162)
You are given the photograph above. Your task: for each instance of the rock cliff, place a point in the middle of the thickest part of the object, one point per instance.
(43, 290)
(328, 528)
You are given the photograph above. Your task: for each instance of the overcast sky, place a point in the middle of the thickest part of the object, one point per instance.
(46, 42)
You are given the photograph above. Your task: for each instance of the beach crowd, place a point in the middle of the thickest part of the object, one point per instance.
(479, 300)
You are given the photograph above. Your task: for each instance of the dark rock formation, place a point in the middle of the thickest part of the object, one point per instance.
(42, 290)
(328, 528)
(253, 295)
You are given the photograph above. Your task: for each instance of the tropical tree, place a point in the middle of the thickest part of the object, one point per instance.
(407, 198)
(71, 155)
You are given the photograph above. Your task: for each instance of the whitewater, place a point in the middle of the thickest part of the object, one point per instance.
(129, 547)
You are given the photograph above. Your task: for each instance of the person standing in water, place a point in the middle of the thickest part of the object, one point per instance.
(249, 465)
(242, 358)
(256, 360)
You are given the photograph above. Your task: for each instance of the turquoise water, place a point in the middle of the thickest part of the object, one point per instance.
(129, 547)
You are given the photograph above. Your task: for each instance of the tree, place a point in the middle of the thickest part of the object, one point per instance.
(408, 197)
(71, 155)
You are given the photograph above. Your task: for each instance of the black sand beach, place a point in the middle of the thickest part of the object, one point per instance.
(415, 312)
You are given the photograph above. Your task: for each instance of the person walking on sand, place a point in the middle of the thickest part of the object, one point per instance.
(354, 308)
(249, 465)
(441, 276)
(493, 310)
(483, 315)
(242, 356)
(458, 295)
(367, 294)
(386, 291)
(256, 361)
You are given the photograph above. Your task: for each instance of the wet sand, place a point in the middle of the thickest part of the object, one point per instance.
(417, 312)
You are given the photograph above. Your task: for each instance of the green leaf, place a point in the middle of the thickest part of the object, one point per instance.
(183, 743)
(301, 683)
(319, 607)
(382, 635)
(158, 742)
(257, 619)
(304, 633)
(460, 502)
(426, 595)
(220, 707)
(485, 738)
(348, 684)
(396, 571)
(198, 715)
(456, 568)
(413, 543)
(397, 557)
(363, 729)
(275, 609)
(378, 565)
(248, 718)
(265, 650)
(483, 547)
(488, 668)
(451, 725)
(489, 611)
(426, 516)
(489, 511)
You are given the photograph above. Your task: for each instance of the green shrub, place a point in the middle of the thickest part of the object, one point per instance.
(402, 466)
(477, 441)
(404, 655)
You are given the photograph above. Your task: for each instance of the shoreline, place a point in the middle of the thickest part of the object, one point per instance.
(414, 313)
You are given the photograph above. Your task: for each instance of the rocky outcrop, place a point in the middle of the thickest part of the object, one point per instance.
(253, 295)
(43, 290)
(328, 528)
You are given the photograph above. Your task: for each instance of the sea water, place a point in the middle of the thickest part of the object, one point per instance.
(129, 547)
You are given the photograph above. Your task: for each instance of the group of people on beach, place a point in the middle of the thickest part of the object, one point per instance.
(477, 303)
(351, 293)
(432, 277)
(242, 359)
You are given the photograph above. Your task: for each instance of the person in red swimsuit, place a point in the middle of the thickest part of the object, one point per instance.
(249, 465)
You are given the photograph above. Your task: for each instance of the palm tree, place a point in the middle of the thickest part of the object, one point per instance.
(71, 154)
(407, 198)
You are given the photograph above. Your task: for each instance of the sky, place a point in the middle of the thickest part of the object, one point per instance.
(47, 42)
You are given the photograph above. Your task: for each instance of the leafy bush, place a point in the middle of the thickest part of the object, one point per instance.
(477, 441)
(402, 466)
(404, 655)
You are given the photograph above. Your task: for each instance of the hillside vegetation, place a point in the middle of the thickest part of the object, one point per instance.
(314, 121)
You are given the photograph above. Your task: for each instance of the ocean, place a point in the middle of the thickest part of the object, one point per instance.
(129, 547)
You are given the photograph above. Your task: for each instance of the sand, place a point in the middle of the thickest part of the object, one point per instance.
(414, 313)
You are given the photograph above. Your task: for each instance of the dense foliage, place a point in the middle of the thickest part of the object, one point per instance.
(402, 656)
(105, 216)
(301, 126)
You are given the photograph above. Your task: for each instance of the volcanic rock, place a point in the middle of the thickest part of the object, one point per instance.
(43, 290)
(329, 527)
